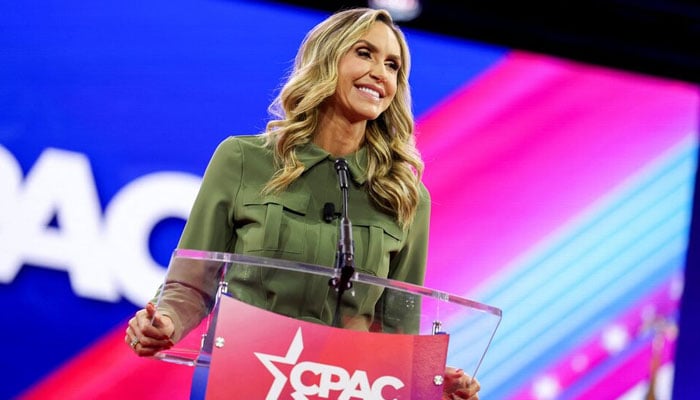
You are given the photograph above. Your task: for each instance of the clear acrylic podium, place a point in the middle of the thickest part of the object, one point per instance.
(265, 329)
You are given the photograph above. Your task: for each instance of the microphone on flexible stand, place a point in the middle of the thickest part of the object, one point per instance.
(345, 255)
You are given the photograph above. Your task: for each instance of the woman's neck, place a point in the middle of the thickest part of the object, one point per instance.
(339, 136)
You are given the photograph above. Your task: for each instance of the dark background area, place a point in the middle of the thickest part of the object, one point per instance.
(658, 37)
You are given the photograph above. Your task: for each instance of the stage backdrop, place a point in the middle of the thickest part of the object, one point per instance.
(561, 192)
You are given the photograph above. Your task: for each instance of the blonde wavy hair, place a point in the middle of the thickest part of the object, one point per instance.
(394, 166)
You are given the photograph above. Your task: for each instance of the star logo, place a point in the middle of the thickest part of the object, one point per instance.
(269, 360)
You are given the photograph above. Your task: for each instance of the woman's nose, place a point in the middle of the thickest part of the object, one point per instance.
(379, 71)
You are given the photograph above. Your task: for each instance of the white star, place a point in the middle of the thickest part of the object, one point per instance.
(291, 358)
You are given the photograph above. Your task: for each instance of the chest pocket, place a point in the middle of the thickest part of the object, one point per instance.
(375, 241)
(273, 223)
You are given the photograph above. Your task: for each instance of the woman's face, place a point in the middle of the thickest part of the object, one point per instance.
(367, 75)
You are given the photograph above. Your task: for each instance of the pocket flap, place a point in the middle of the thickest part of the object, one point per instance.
(295, 202)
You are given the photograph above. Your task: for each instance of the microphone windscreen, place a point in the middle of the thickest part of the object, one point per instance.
(328, 212)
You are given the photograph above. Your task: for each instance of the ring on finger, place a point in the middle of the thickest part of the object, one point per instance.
(133, 343)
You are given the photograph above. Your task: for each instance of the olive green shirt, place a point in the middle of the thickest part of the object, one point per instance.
(231, 215)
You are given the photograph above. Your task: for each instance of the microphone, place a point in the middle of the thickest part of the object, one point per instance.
(341, 167)
(329, 212)
(346, 246)
(345, 254)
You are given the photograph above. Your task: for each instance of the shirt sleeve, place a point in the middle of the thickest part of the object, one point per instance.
(209, 228)
(400, 311)
(409, 264)
(210, 223)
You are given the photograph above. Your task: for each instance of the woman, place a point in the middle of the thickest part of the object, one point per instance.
(347, 97)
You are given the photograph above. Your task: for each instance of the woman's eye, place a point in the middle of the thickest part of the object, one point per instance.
(364, 53)
(393, 65)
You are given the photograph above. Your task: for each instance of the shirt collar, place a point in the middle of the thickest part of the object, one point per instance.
(310, 155)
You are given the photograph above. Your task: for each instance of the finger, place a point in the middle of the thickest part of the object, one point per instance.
(154, 316)
(131, 341)
(129, 331)
(146, 346)
(153, 341)
(142, 319)
(134, 323)
(474, 386)
(138, 327)
(150, 335)
(132, 330)
(146, 351)
(151, 310)
(127, 339)
(155, 332)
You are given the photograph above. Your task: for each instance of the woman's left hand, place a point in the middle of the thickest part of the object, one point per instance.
(459, 385)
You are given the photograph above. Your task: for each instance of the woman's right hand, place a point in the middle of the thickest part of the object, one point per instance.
(459, 386)
(149, 332)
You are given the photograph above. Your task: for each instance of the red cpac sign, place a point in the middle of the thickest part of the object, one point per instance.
(264, 355)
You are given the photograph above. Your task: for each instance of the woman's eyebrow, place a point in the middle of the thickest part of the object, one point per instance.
(374, 49)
